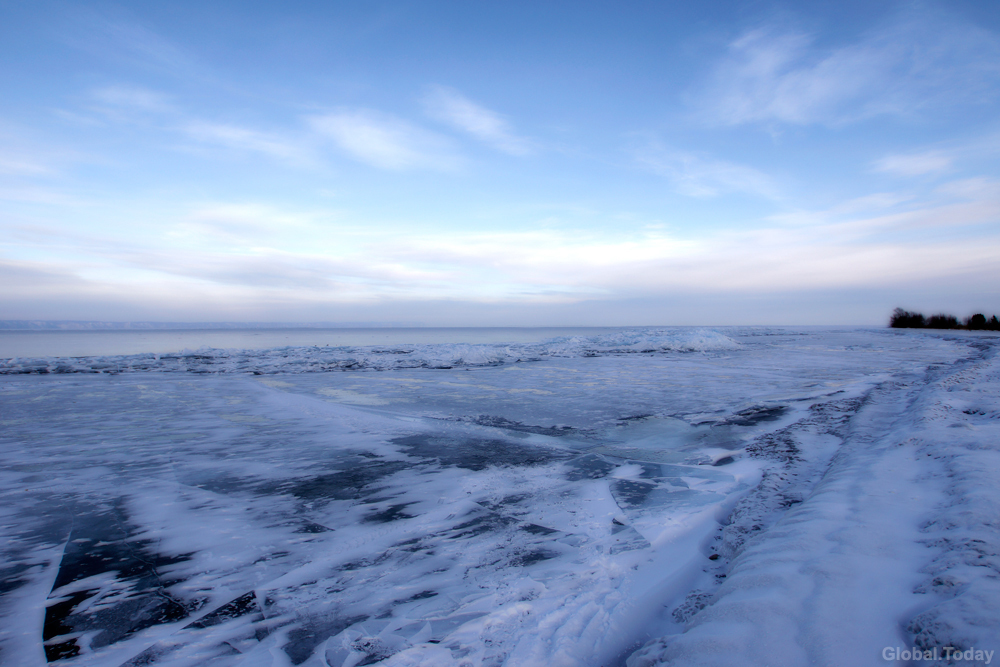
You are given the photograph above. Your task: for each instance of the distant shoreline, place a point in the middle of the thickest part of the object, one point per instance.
(87, 325)
(905, 319)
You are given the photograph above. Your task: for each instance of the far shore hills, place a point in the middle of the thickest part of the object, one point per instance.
(900, 319)
(904, 319)
(91, 325)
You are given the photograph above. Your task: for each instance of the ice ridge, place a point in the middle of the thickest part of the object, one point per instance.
(378, 358)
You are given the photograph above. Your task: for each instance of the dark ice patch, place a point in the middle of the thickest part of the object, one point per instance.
(391, 513)
(511, 425)
(626, 538)
(374, 648)
(351, 483)
(535, 529)
(756, 415)
(11, 577)
(311, 528)
(532, 557)
(412, 545)
(422, 595)
(303, 640)
(589, 466)
(100, 544)
(630, 493)
(241, 606)
(223, 484)
(724, 461)
(506, 501)
(623, 421)
(473, 454)
(485, 522)
(152, 655)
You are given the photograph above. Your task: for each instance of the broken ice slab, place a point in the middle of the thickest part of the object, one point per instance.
(645, 454)
(478, 454)
(589, 466)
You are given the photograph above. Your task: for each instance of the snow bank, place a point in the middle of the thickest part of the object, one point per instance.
(379, 358)
(873, 537)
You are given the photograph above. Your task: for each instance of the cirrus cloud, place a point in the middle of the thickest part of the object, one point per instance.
(451, 107)
(916, 64)
(384, 141)
(699, 175)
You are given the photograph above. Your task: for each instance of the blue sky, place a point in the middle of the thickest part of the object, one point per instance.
(513, 163)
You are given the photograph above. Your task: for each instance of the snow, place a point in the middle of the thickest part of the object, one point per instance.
(683, 497)
(892, 540)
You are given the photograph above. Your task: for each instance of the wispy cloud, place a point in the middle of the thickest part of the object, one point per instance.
(18, 166)
(449, 106)
(132, 98)
(964, 203)
(385, 141)
(159, 112)
(979, 188)
(919, 62)
(26, 154)
(277, 146)
(243, 215)
(699, 175)
(940, 158)
(244, 224)
(116, 35)
(878, 201)
(35, 194)
(147, 44)
(292, 275)
(125, 105)
(916, 164)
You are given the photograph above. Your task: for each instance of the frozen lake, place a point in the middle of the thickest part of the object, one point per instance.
(520, 501)
(76, 343)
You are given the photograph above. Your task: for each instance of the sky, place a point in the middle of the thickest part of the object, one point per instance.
(499, 164)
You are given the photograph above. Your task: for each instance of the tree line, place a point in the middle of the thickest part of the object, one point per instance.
(904, 319)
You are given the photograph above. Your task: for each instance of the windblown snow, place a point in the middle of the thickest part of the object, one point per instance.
(731, 497)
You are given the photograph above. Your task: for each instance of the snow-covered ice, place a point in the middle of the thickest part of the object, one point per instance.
(717, 497)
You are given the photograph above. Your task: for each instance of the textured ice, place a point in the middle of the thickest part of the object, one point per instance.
(615, 500)
(316, 359)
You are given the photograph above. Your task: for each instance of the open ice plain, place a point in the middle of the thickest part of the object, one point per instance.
(728, 497)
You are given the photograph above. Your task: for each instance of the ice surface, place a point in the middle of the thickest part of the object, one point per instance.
(314, 359)
(713, 498)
